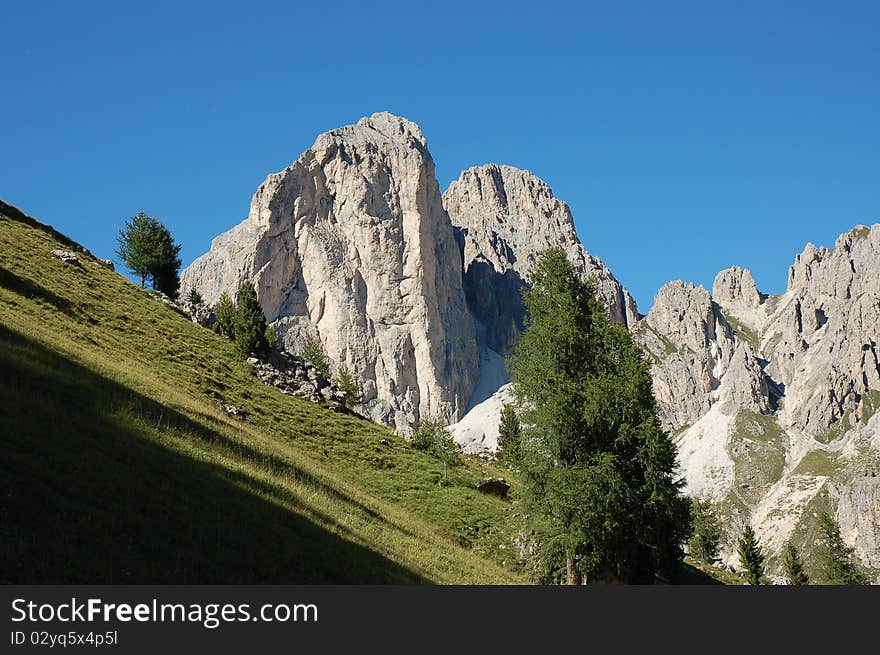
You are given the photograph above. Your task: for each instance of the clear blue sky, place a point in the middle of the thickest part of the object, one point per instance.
(686, 136)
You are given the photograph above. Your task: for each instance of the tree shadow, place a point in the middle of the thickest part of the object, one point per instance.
(688, 574)
(90, 494)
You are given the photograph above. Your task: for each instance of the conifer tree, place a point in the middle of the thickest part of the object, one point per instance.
(446, 450)
(271, 338)
(249, 323)
(148, 250)
(837, 560)
(794, 566)
(347, 383)
(509, 435)
(706, 535)
(314, 354)
(224, 314)
(194, 298)
(750, 555)
(598, 468)
(166, 263)
(433, 436)
(136, 243)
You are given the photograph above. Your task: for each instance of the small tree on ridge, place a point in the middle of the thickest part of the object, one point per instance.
(148, 250)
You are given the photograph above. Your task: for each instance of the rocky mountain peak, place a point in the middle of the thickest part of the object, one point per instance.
(381, 129)
(517, 201)
(688, 312)
(735, 285)
(692, 346)
(392, 126)
(822, 335)
(351, 245)
(505, 217)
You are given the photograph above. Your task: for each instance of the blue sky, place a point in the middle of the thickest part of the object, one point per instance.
(686, 136)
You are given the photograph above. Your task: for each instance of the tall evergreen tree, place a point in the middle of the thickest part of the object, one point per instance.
(750, 555)
(598, 468)
(794, 566)
(837, 560)
(446, 450)
(194, 298)
(249, 323)
(509, 435)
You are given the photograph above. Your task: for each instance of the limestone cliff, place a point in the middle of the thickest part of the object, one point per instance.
(351, 244)
(505, 217)
(772, 397)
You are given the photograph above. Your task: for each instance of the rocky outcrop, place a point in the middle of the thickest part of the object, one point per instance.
(858, 514)
(295, 376)
(505, 217)
(66, 256)
(494, 487)
(351, 245)
(693, 349)
(735, 286)
(199, 312)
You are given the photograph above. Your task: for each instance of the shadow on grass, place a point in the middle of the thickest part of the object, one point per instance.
(274, 463)
(688, 574)
(30, 289)
(89, 497)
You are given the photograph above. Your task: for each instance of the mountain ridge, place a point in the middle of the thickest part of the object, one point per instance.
(735, 371)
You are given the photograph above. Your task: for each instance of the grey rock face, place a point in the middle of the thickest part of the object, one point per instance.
(745, 385)
(199, 313)
(505, 217)
(736, 286)
(806, 360)
(858, 513)
(694, 348)
(351, 244)
(816, 344)
(821, 339)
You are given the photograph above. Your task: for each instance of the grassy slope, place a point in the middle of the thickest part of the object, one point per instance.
(119, 467)
(694, 571)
